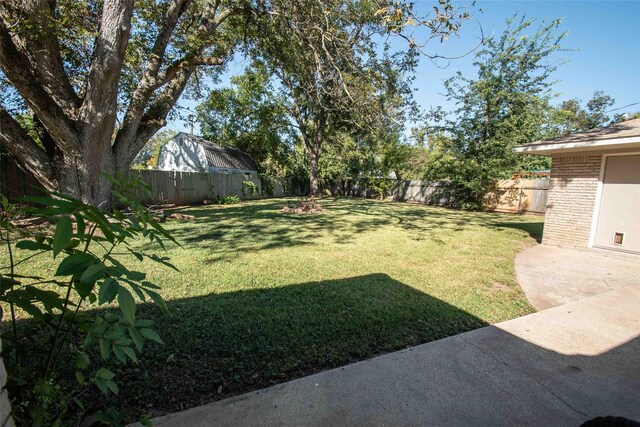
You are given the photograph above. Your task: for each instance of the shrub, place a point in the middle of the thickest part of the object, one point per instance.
(267, 185)
(379, 187)
(227, 199)
(83, 240)
(249, 187)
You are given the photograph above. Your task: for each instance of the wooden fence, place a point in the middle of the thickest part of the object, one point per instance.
(517, 196)
(184, 188)
(523, 195)
(15, 182)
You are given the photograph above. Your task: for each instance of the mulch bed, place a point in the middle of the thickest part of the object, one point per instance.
(304, 206)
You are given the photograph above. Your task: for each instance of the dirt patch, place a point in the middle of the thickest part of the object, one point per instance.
(302, 207)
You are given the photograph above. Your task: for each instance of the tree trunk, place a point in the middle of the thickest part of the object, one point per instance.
(81, 175)
(314, 183)
(313, 146)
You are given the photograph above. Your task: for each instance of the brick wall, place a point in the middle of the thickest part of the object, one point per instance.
(5, 408)
(571, 200)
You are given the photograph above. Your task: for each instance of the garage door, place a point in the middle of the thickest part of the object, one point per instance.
(618, 225)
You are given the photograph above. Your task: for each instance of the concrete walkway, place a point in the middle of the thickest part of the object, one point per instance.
(552, 276)
(561, 367)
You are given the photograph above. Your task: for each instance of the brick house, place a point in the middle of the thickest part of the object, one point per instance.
(594, 188)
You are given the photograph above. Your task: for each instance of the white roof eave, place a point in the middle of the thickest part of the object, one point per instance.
(567, 147)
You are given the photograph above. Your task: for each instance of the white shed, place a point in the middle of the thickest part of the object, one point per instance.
(189, 153)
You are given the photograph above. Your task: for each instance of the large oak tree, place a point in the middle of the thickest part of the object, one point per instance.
(96, 79)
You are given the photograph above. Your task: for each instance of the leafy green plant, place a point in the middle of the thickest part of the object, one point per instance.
(249, 188)
(89, 247)
(379, 186)
(508, 104)
(227, 199)
(267, 185)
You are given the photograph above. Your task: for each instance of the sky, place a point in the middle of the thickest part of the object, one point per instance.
(604, 38)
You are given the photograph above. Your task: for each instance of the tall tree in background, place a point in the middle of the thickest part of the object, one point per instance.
(251, 115)
(326, 59)
(100, 78)
(570, 116)
(623, 117)
(506, 105)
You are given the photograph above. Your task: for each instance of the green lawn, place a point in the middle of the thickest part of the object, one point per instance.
(264, 297)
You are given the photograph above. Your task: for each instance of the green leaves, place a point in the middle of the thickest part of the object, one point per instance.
(103, 379)
(88, 273)
(127, 305)
(507, 104)
(158, 300)
(82, 361)
(75, 263)
(93, 273)
(108, 291)
(150, 334)
(62, 236)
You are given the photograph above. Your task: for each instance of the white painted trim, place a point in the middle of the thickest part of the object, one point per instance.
(576, 146)
(596, 209)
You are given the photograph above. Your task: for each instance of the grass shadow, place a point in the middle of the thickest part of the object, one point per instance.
(219, 345)
(534, 229)
(229, 230)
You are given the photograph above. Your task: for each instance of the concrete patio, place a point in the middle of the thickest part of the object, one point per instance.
(551, 276)
(561, 366)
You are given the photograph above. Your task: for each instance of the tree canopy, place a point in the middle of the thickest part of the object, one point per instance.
(570, 116)
(506, 105)
(250, 115)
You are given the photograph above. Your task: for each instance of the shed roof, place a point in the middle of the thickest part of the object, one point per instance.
(223, 157)
(620, 135)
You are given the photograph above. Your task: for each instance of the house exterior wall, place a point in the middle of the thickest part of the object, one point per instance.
(573, 189)
(619, 204)
(185, 156)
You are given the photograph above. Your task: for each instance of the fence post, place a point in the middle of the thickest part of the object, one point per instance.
(519, 199)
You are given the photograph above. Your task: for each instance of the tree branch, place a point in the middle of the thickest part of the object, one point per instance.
(18, 70)
(174, 77)
(43, 49)
(104, 72)
(29, 154)
(153, 119)
(146, 86)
